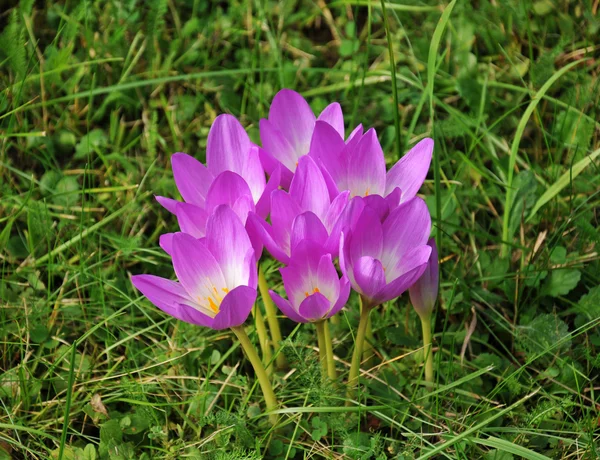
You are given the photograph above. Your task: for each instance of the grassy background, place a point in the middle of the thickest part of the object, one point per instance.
(95, 96)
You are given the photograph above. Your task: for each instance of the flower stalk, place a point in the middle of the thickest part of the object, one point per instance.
(263, 338)
(358, 351)
(259, 369)
(329, 350)
(271, 315)
(427, 349)
(320, 326)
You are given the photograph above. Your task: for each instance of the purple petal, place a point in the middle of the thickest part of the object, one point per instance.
(327, 147)
(332, 114)
(345, 221)
(343, 297)
(369, 276)
(277, 146)
(308, 187)
(226, 189)
(407, 227)
(355, 135)
(260, 229)
(294, 118)
(410, 172)
(412, 267)
(235, 308)
(228, 145)
(191, 177)
(378, 204)
(166, 242)
(263, 206)
(315, 307)
(366, 238)
(167, 203)
(283, 212)
(192, 219)
(228, 241)
(286, 308)
(307, 226)
(327, 279)
(366, 167)
(423, 293)
(196, 268)
(393, 199)
(254, 174)
(170, 297)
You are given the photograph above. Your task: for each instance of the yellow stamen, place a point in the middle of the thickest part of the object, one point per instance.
(316, 290)
(367, 191)
(213, 306)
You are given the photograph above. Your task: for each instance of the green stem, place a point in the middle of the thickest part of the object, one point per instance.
(320, 325)
(271, 314)
(263, 338)
(427, 350)
(368, 353)
(259, 369)
(329, 350)
(358, 351)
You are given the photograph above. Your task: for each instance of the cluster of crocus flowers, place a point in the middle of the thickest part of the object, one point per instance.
(315, 200)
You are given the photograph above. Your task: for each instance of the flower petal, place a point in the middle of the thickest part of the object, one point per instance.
(412, 267)
(307, 226)
(277, 146)
(407, 227)
(191, 177)
(332, 114)
(170, 297)
(227, 146)
(410, 172)
(293, 117)
(423, 293)
(286, 308)
(308, 187)
(254, 174)
(327, 146)
(166, 242)
(263, 206)
(366, 238)
(196, 268)
(315, 307)
(226, 189)
(259, 228)
(167, 203)
(366, 167)
(369, 276)
(228, 242)
(343, 297)
(192, 219)
(235, 308)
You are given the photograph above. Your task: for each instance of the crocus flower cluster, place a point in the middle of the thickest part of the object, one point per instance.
(309, 195)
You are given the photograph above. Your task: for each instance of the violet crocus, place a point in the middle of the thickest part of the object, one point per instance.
(314, 289)
(286, 134)
(217, 275)
(305, 212)
(423, 293)
(382, 260)
(358, 166)
(230, 150)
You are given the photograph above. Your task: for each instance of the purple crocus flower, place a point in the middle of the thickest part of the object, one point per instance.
(305, 212)
(286, 134)
(217, 275)
(423, 294)
(383, 259)
(312, 285)
(228, 150)
(359, 166)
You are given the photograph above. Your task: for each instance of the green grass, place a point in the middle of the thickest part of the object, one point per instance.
(95, 96)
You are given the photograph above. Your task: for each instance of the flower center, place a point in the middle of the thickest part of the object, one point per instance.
(215, 299)
(315, 290)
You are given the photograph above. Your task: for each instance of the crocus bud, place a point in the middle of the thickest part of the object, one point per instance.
(424, 292)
